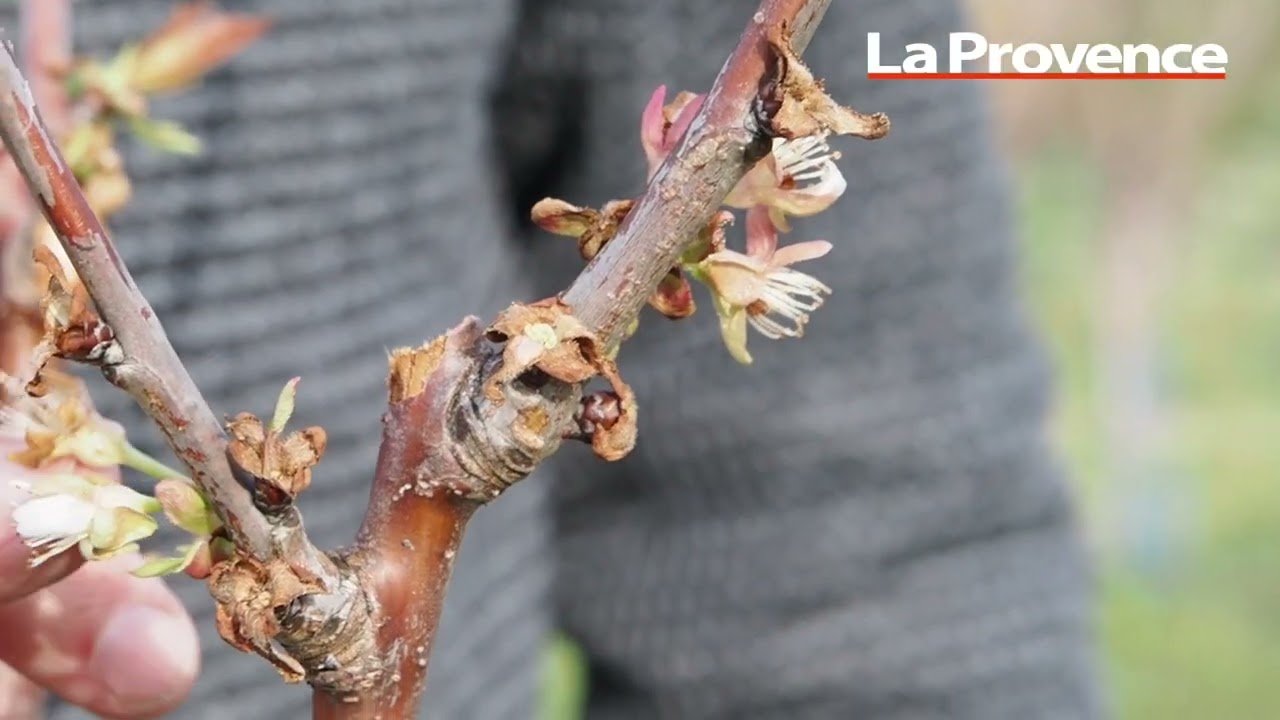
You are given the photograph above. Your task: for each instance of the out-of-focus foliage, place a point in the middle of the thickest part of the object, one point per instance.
(1152, 259)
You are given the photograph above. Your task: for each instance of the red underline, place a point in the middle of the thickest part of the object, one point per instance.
(1047, 76)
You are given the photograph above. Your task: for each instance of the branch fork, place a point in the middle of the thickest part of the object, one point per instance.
(469, 414)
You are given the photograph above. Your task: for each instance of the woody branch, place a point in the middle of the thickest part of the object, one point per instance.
(478, 409)
(470, 413)
(138, 357)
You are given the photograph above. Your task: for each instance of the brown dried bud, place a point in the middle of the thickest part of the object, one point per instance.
(248, 597)
(802, 108)
(593, 228)
(72, 326)
(600, 409)
(275, 468)
(545, 336)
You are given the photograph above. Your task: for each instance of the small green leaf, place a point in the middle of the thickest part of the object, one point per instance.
(156, 566)
(284, 405)
(165, 135)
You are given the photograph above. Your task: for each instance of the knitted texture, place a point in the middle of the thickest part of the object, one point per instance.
(865, 523)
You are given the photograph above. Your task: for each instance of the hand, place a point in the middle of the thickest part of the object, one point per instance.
(117, 645)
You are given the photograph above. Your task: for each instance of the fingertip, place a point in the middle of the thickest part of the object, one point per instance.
(147, 659)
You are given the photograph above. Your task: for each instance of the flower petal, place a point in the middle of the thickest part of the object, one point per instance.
(123, 496)
(799, 252)
(92, 445)
(652, 126)
(52, 524)
(756, 186)
(736, 278)
(810, 199)
(156, 566)
(76, 486)
(762, 236)
(684, 108)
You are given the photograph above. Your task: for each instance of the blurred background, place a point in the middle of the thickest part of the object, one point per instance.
(1151, 257)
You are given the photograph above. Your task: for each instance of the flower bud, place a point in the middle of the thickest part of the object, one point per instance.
(186, 507)
(98, 444)
(674, 297)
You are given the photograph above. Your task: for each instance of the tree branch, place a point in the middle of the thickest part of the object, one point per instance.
(464, 425)
(143, 362)
(470, 413)
(722, 144)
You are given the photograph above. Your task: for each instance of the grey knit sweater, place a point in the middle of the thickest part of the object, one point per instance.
(864, 524)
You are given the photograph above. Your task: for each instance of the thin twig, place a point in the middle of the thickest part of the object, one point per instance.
(148, 367)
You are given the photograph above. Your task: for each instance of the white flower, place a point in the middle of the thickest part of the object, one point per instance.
(799, 177)
(61, 423)
(101, 517)
(759, 288)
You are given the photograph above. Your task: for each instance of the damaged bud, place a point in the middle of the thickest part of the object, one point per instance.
(674, 297)
(801, 107)
(72, 327)
(593, 229)
(600, 409)
(249, 599)
(547, 338)
(275, 468)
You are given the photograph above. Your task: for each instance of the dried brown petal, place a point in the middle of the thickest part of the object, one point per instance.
(545, 336)
(593, 228)
(804, 108)
(275, 467)
(248, 597)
